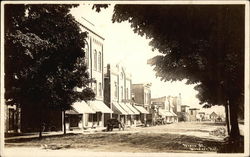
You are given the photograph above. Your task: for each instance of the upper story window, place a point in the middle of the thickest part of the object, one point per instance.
(116, 91)
(122, 93)
(95, 60)
(100, 61)
(94, 88)
(127, 94)
(86, 52)
(100, 89)
(121, 76)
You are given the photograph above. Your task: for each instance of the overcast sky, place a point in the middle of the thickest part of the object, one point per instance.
(121, 45)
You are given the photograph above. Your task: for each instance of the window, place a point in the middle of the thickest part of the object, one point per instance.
(94, 87)
(100, 61)
(87, 58)
(100, 89)
(116, 92)
(127, 94)
(191, 112)
(122, 93)
(95, 60)
(86, 52)
(121, 76)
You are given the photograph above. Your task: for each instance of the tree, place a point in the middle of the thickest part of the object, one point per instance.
(44, 58)
(201, 43)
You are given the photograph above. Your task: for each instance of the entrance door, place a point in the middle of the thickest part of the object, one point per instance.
(11, 119)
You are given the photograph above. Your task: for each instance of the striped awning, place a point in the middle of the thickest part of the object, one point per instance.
(132, 108)
(175, 115)
(99, 106)
(79, 108)
(166, 113)
(127, 109)
(118, 109)
(141, 109)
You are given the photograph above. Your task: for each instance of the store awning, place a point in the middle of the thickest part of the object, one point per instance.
(71, 111)
(141, 109)
(99, 106)
(132, 108)
(79, 108)
(118, 109)
(166, 113)
(175, 115)
(125, 107)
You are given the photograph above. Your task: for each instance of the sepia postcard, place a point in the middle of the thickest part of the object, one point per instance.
(124, 78)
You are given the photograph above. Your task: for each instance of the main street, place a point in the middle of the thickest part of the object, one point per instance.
(203, 137)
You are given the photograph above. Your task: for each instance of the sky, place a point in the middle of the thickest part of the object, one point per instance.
(123, 46)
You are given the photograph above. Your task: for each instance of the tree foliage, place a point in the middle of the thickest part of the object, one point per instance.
(44, 56)
(201, 43)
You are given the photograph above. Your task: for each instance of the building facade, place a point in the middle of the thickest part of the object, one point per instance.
(97, 109)
(117, 95)
(193, 112)
(141, 96)
(165, 108)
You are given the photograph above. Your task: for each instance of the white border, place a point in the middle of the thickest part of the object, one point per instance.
(246, 129)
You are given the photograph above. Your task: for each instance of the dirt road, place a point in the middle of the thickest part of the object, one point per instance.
(172, 138)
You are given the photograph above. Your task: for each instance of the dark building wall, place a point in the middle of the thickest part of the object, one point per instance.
(138, 92)
(31, 117)
(107, 87)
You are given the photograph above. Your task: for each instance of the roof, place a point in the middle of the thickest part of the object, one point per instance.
(160, 99)
(213, 113)
(89, 26)
(118, 109)
(99, 106)
(194, 109)
(71, 111)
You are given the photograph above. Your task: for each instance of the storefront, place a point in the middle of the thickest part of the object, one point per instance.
(135, 117)
(77, 116)
(118, 112)
(143, 113)
(100, 110)
(128, 117)
(169, 116)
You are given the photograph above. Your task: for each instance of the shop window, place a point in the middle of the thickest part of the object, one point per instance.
(100, 89)
(95, 60)
(100, 61)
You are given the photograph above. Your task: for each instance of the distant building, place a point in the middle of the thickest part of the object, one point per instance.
(141, 95)
(184, 114)
(165, 108)
(193, 112)
(213, 116)
(201, 116)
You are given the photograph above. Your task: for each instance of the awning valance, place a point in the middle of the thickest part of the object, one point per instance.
(72, 112)
(118, 109)
(125, 107)
(175, 115)
(166, 113)
(80, 108)
(132, 108)
(141, 109)
(99, 106)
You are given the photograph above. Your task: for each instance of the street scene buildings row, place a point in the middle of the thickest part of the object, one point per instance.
(116, 97)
